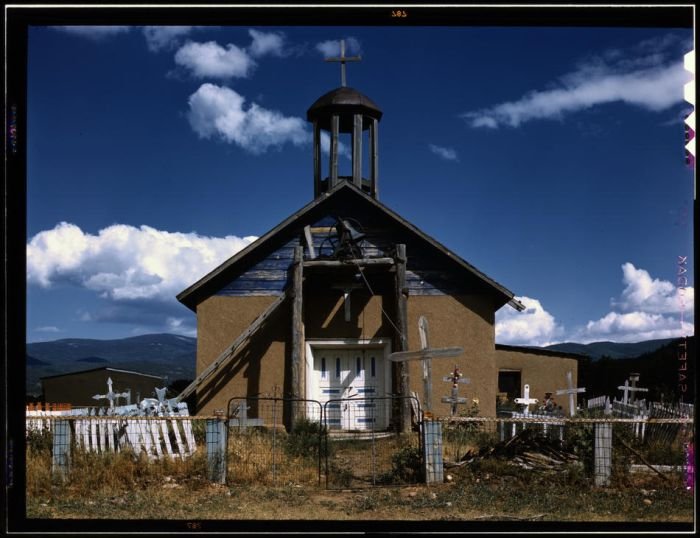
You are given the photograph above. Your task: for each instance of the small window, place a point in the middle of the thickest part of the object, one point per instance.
(359, 365)
(337, 367)
(323, 367)
(374, 367)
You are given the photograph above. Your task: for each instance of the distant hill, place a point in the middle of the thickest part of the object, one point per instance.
(614, 350)
(168, 355)
(658, 371)
(94, 360)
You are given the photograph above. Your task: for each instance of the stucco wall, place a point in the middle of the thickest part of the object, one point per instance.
(543, 373)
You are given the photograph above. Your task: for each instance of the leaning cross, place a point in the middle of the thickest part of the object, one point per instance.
(526, 401)
(455, 378)
(111, 396)
(571, 391)
(343, 59)
(626, 388)
(426, 353)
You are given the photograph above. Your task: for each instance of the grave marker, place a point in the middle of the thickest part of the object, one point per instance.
(571, 391)
(627, 389)
(456, 379)
(425, 354)
(526, 401)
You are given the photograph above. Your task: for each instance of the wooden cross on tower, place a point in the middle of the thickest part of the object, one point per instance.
(628, 388)
(455, 378)
(526, 401)
(426, 353)
(111, 396)
(343, 60)
(570, 391)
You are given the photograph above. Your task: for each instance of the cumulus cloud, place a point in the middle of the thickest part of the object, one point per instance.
(643, 293)
(448, 154)
(649, 76)
(95, 33)
(648, 309)
(211, 60)
(332, 47)
(125, 263)
(266, 43)
(217, 111)
(48, 329)
(534, 326)
(166, 37)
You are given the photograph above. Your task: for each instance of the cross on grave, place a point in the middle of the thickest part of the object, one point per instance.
(111, 396)
(343, 60)
(627, 388)
(526, 401)
(426, 353)
(240, 417)
(570, 391)
(456, 378)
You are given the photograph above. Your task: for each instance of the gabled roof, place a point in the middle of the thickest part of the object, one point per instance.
(131, 372)
(208, 284)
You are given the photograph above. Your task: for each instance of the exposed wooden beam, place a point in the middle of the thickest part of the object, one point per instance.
(317, 159)
(350, 262)
(357, 150)
(230, 351)
(297, 322)
(335, 133)
(401, 296)
(374, 159)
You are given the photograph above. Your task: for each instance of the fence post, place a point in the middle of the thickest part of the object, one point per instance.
(61, 449)
(432, 450)
(603, 453)
(216, 449)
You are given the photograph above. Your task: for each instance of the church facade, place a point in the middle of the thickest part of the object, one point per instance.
(315, 308)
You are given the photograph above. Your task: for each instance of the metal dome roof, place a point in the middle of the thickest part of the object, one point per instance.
(345, 102)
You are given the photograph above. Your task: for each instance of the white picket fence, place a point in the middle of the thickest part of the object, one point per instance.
(158, 433)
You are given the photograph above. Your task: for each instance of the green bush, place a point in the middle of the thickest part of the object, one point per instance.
(407, 465)
(307, 439)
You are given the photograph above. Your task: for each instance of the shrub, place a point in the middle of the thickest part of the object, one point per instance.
(305, 440)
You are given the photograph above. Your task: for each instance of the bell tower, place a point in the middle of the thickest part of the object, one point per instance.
(345, 111)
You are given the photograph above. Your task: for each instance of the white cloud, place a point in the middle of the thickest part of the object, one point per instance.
(332, 47)
(210, 60)
(48, 329)
(534, 326)
(634, 327)
(266, 43)
(643, 77)
(217, 111)
(166, 37)
(125, 263)
(644, 294)
(93, 32)
(448, 154)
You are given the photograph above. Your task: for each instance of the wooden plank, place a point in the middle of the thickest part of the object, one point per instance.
(401, 300)
(178, 439)
(357, 150)
(335, 132)
(166, 438)
(356, 261)
(229, 352)
(297, 323)
(374, 159)
(154, 429)
(402, 356)
(309, 242)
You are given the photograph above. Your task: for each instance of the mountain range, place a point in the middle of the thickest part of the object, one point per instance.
(174, 356)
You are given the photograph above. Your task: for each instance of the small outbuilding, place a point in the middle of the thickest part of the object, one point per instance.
(78, 388)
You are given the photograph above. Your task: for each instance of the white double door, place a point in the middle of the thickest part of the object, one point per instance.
(346, 381)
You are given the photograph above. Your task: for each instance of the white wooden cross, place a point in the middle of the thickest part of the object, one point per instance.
(627, 389)
(456, 378)
(343, 59)
(426, 353)
(111, 396)
(571, 391)
(526, 401)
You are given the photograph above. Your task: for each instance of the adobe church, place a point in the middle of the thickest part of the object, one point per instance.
(315, 307)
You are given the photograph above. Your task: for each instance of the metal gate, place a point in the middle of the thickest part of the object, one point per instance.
(349, 443)
(363, 450)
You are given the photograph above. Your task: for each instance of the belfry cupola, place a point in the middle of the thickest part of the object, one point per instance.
(335, 115)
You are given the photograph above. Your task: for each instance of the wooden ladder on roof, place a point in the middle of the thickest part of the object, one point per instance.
(230, 351)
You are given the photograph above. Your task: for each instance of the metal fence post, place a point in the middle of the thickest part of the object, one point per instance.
(216, 449)
(432, 449)
(603, 453)
(61, 449)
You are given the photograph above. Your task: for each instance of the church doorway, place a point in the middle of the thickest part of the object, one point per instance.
(346, 377)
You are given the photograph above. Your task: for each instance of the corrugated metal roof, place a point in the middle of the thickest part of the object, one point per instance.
(103, 368)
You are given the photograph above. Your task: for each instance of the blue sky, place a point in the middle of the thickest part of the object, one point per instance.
(550, 158)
